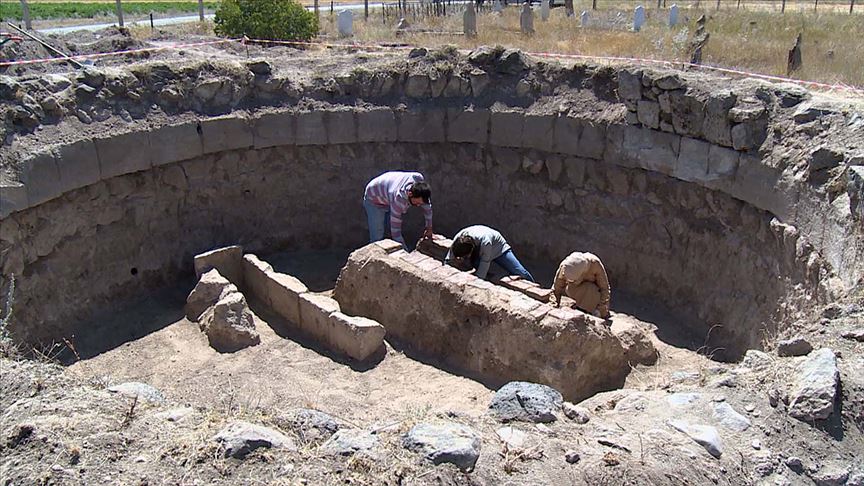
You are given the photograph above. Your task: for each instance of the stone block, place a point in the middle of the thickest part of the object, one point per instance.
(356, 337)
(437, 247)
(341, 127)
(506, 128)
(223, 133)
(749, 135)
(123, 154)
(283, 295)
(539, 131)
(41, 177)
(274, 129)
(417, 86)
(389, 246)
(630, 86)
(516, 283)
(256, 281)
(539, 294)
(692, 163)
(716, 126)
(376, 125)
(78, 164)
(423, 126)
(13, 197)
(722, 164)
(173, 143)
(648, 113)
(688, 114)
(465, 126)
(228, 260)
(756, 183)
(315, 313)
(646, 149)
(592, 141)
(310, 128)
(567, 132)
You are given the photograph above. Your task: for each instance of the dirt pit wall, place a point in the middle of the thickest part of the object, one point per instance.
(696, 207)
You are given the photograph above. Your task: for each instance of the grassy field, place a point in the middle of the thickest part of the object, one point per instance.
(59, 10)
(752, 40)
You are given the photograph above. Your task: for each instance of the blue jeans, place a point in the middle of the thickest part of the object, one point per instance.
(509, 262)
(378, 219)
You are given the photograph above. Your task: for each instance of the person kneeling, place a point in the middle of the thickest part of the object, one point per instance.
(479, 246)
(583, 278)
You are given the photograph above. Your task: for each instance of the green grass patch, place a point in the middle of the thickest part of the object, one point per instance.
(10, 10)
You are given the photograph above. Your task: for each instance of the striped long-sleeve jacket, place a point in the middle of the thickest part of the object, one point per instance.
(390, 191)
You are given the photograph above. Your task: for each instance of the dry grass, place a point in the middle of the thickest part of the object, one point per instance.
(751, 40)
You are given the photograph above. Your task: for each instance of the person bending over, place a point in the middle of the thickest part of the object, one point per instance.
(390, 195)
(478, 246)
(583, 278)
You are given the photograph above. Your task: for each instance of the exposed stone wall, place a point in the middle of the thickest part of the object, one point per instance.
(474, 327)
(557, 158)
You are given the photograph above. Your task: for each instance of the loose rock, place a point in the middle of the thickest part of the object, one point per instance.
(703, 435)
(453, 443)
(240, 438)
(346, 442)
(797, 346)
(314, 424)
(572, 457)
(206, 293)
(729, 418)
(141, 390)
(528, 402)
(578, 414)
(230, 326)
(815, 388)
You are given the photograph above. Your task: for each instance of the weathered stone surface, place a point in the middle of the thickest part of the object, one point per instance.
(526, 402)
(643, 148)
(341, 127)
(648, 113)
(716, 127)
(578, 414)
(425, 126)
(206, 293)
(823, 158)
(356, 337)
(274, 129)
(831, 475)
(703, 435)
(511, 61)
(346, 442)
(518, 341)
(638, 348)
(230, 326)
(13, 197)
(538, 131)
(815, 388)
(315, 313)
(855, 190)
(173, 143)
(228, 260)
(479, 81)
(123, 154)
(630, 86)
(592, 141)
(376, 125)
(41, 177)
(756, 360)
(454, 443)
(722, 164)
(513, 437)
(310, 128)
(749, 135)
(240, 438)
(255, 278)
(174, 414)
(283, 295)
(223, 133)
(78, 164)
(688, 114)
(797, 346)
(142, 391)
(506, 128)
(313, 424)
(692, 160)
(417, 86)
(730, 418)
(855, 335)
(682, 399)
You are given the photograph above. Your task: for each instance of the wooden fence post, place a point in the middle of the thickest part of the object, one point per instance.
(25, 10)
(783, 6)
(315, 7)
(119, 14)
(851, 6)
(366, 9)
(201, 10)
(593, 4)
(816, 5)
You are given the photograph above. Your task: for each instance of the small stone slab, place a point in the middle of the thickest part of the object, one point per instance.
(855, 335)
(682, 399)
(797, 346)
(514, 438)
(346, 442)
(175, 414)
(815, 388)
(227, 260)
(526, 402)
(730, 418)
(206, 293)
(240, 438)
(134, 389)
(704, 435)
(578, 414)
(454, 443)
(306, 420)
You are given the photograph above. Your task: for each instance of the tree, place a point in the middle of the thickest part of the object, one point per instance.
(266, 19)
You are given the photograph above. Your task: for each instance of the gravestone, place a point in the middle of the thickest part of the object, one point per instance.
(793, 60)
(673, 15)
(585, 19)
(345, 23)
(638, 18)
(544, 10)
(568, 7)
(526, 19)
(497, 6)
(469, 21)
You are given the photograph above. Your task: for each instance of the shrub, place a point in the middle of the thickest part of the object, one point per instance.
(266, 19)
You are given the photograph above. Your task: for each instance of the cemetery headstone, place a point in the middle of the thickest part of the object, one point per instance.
(568, 7)
(638, 18)
(345, 23)
(585, 19)
(673, 15)
(544, 10)
(526, 19)
(469, 21)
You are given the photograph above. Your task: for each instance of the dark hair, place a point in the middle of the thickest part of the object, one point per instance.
(463, 246)
(421, 190)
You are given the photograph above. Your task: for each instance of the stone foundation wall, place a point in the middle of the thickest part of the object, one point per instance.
(471, 326)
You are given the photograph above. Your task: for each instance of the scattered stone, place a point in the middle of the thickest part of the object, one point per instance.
(795, 464)
(206, 293)
(403, 25)
(346, 442)
(175, 414)
(230, 326)
(454, 443)
(512, 61)
(141, 390)
(749, 407)
(685, 376)
(855, 335)
(729, 418)
(815, 388)
(527, 402)
(19, 435)
(91, 77)
(756, 444)
(831, 475)
(704, 435)
(314, 424)
(764, 468)
(260, 68)
(578, 414)
(240, 438)
(514, 438)
(797, 346)
(572, 457)
(793, 61)
(822, 158)
(756, 360)
(856, 479)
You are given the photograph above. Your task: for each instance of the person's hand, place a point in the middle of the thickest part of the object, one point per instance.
(428, 234)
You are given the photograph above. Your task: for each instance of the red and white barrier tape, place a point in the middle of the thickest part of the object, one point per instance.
(815, 84)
